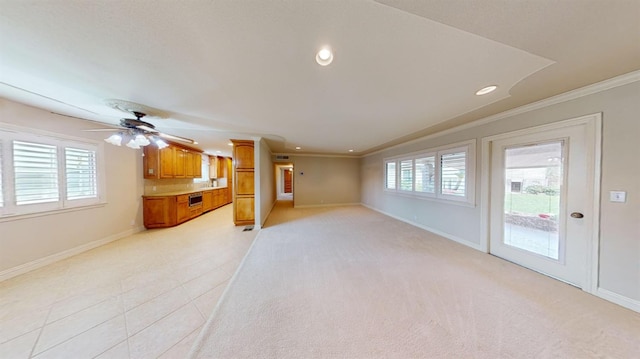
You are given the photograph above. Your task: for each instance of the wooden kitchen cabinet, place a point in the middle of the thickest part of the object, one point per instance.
(217, 167)
(207, 201)
(243, 155)
(167, 156)
(244, 213)
(243, 183)
(171, 162)
(182, 208)
(179, 163)
(157, 212)
(197, 163)
(171, 210)
(189, 166)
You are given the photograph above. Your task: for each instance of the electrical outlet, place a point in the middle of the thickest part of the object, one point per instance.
(153, 188)
(133, 222)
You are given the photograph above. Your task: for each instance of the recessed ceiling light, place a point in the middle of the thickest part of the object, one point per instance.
(298, 148)
(486, 90)
(230, 144)
(218, 151)
(324, 56)
(350, 150)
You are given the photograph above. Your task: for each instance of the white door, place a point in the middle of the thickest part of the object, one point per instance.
(542, 196)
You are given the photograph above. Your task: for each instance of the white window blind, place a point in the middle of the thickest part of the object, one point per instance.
(444, 173)
(81, 173)
(35, 172)
(390, 175)
(406, 175)
(452, 181)
(426, 174)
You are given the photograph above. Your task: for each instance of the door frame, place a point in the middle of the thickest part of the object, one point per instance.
(593, 123)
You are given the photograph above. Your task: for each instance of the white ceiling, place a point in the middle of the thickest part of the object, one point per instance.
(238, 69)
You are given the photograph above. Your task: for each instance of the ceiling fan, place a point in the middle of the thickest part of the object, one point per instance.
(137, 133)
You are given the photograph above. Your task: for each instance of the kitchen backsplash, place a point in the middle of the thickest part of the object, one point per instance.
(177, 184)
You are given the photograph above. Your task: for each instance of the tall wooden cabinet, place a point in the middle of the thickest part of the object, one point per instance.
(243, 183)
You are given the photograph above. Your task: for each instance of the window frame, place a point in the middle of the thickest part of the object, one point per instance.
(395, 176)
(9, 209)
(469, 149)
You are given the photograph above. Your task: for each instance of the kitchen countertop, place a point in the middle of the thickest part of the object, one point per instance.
(181, 192)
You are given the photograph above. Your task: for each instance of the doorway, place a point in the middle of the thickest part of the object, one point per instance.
(543, 199)
(284, 181)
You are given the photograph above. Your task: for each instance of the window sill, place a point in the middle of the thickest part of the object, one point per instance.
(430, 198)
(17, 217)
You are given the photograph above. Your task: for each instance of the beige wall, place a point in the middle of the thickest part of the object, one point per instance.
(267, 193)
(619, 222)
(320, 181)
(29, 239)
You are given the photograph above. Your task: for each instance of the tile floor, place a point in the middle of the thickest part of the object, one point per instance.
(144, 296)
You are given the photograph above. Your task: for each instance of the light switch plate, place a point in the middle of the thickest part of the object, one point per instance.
(617, 196)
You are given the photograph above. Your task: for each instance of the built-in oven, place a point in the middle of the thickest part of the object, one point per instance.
(195, 199)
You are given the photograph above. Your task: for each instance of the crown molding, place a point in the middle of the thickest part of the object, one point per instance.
(601, 86)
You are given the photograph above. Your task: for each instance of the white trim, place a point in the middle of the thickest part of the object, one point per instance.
(326, 205)
(618, 299)
(427, 228)
(312, 155)
(257, 204)
(593, 268)
(15, 217)
(593, 247)
(39, 263)
(601, 86)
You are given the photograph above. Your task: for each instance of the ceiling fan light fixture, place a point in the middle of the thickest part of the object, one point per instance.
(486, 90)
(160, 143)
(115, 139)
(133, 144)
(142, 140)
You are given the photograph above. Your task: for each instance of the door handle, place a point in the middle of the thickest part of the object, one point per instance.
(577, 215)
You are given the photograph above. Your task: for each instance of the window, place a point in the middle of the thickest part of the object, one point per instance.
(35, 169)
(43, 172)
(406, 175)
(453, 173)
(390, 175)
(426, 174)
(445, 173)
(204, 169)
(82, 173)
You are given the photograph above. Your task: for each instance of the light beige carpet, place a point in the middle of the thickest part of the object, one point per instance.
(348, 282)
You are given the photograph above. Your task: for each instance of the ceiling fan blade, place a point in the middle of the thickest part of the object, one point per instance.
(177, 138)
(146, 129)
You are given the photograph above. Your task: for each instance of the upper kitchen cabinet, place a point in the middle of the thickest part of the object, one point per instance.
(243, 154)
(217, 167)
(171, 162)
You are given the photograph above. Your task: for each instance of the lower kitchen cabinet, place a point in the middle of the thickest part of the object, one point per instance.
(168, 211)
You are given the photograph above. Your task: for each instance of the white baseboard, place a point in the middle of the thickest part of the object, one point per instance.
(619, 299)
(429, 229)
(325, 205)
(601, 292)
(39, 263)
